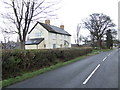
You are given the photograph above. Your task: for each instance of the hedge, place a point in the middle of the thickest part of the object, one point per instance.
(16, 62)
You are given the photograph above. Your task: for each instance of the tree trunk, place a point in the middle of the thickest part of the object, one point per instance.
(93, 43)
(99, 43)
(22, 45)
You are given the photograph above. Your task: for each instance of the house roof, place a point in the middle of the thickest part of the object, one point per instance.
(10, 45)
(51, 28)
(34, 41)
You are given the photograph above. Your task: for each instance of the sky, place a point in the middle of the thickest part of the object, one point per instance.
(73, 12)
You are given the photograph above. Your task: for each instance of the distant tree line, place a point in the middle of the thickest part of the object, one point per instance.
(99, 26)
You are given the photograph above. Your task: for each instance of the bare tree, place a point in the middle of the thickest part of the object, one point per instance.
(6, 33)
(25, 12)
(78, 36)
(98, 24)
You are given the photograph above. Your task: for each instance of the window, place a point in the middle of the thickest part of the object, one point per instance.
(39, 34)
(65, 36)
(54, 36)
(54, 45)
(60, 36)
(44, 45)
(60, 45)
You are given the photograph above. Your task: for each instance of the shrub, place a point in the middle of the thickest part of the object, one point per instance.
(15, 62)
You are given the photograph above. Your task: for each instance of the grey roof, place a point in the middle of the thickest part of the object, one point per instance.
(34, 41)
(10, 45)
(53, 29)
(59, 30)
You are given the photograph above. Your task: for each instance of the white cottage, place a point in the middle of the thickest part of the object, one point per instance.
(46, 36)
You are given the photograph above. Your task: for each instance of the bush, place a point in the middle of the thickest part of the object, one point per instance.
(15, 62)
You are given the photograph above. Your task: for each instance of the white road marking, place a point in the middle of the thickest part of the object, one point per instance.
(104, 59)
(108, 54)
(91, 74)
(95, 69)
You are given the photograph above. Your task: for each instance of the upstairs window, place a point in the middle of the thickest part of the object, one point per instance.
(39, 34)
(54, 36)
(60, 36)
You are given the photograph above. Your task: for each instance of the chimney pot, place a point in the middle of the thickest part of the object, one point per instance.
(62, 26)
(47, 22)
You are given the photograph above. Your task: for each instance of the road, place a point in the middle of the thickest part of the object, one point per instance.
(98, 71)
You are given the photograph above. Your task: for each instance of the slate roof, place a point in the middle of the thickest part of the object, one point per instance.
(10, 45)
(51, 28)
(34, 41)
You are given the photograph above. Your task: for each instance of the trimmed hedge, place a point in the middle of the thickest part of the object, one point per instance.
(16, 62)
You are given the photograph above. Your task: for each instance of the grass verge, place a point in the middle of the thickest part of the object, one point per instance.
(27, 75)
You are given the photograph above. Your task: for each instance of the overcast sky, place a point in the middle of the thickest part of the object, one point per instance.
(73, 12)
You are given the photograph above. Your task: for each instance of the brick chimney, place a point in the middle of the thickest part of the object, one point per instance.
(62, 26)
(47, 22)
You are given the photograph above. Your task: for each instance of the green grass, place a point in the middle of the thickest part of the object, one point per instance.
(27, 75)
